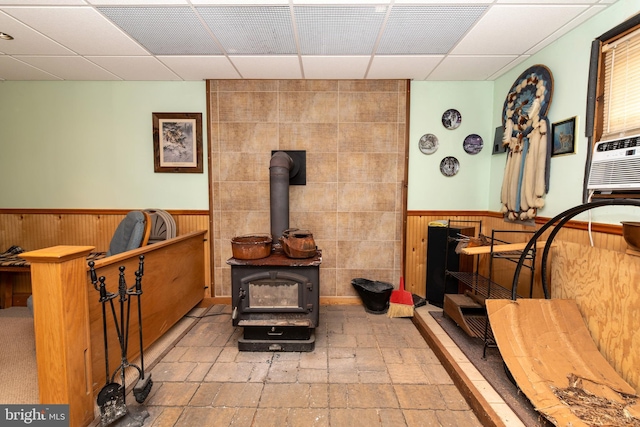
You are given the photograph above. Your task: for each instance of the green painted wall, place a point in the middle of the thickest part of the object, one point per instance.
(90, 145)
(568, 60)
(428, 188)
(477, 185)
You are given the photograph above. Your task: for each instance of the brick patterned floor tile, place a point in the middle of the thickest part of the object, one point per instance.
(420, 397)
(371, 396)
(270, 417)
(211, 417)
(354, 417)
(308, 417)
(205, 394)
(285, 396)
(172, 394)
(244, 395)
(172, 371)
(407, 374)
(457, 418)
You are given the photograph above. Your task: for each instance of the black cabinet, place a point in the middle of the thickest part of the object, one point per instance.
(440, 257)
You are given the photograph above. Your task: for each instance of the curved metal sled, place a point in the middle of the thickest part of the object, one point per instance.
(551, 355)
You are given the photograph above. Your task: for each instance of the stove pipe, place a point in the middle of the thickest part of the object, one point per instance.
(279, 168)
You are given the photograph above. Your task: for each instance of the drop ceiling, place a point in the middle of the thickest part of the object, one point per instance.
(186, 40)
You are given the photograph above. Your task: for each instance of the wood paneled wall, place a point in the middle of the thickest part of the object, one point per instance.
(603, 279)
(34, 229)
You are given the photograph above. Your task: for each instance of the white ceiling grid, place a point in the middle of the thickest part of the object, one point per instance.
(278, 39)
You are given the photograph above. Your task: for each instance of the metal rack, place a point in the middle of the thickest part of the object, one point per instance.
(468, 309)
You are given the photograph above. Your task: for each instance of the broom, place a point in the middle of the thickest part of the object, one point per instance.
(400, 302)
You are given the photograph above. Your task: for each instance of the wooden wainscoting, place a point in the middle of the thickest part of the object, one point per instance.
(34, 229)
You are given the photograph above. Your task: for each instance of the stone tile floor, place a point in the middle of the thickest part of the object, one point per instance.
(366, 370)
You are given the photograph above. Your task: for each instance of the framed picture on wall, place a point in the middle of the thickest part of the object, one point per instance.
(564, 140)
(177, 142)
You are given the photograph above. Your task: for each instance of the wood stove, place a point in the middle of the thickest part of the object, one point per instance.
(276, 300)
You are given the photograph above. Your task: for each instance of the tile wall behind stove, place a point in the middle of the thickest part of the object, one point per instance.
(354, 134)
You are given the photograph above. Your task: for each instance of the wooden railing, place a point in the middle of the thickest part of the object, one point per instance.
(68, 315)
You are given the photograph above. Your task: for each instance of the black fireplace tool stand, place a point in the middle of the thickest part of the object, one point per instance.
(112, 397)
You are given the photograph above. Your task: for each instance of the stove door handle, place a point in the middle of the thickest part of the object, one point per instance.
(275, 333)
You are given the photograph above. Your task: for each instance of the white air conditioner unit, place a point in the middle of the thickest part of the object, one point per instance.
(615, 165)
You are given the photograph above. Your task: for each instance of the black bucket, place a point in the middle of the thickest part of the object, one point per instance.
(374, 294)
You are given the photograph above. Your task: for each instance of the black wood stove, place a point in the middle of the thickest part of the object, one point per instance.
(276, 300)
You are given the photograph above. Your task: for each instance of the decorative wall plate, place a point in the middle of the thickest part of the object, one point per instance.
(473, 144)
(449, 166)
(451, 119)
(428, 143)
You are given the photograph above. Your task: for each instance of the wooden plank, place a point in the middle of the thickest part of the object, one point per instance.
(511, 247)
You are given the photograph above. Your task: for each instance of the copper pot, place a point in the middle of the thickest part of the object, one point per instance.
(251, 246)
(298, 243)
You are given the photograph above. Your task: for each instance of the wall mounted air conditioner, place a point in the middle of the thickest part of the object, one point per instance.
(615, 165)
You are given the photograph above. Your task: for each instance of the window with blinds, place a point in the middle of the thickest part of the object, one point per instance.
(621, 87)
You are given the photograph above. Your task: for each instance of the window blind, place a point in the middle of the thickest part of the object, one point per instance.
(621, 87)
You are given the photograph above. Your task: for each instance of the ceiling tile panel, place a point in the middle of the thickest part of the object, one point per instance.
(164, 30)
(345, 30)
(335, 67)
(69, 68)
(280, 39)
(26, 40)
(456, 68)
(402, 67)
(81, 29)
(135, 67)
(12, 69)
(500, 30)
(201, 67)
(268, 67)
(593, 10)
(426, 30)
(252, 30)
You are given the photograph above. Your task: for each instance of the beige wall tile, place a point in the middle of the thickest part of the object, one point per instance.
(236, 166)
(247, 85)
(235, 223)
(313, 197)
(366, 225)
(322, 167)
(354, 135)
(322, 224)
(368, 107)
(368, 167)
(308, 85)
(355, 197)
(313, 137)
(368, 137)
(328, 281)
(244, 196)
(368, 86)
(308, 107)
(248, 137)
(365, 254)
(248, 107)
